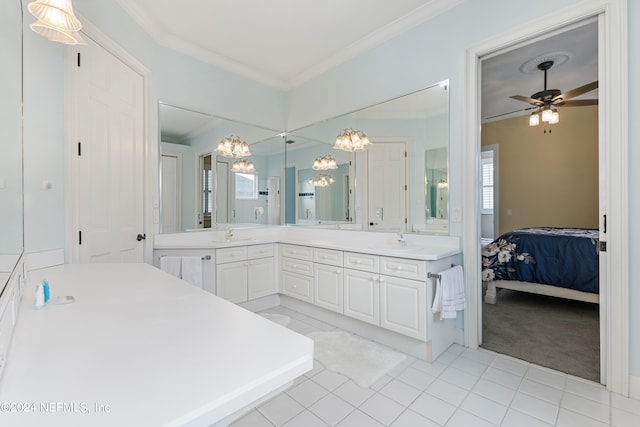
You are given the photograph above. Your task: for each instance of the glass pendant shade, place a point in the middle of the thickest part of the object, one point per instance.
(56, 21)
(546, 114)
(555, 117)
(534, 119)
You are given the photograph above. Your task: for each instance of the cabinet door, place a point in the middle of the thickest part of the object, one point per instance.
(328, 287)
(403, 306)
(297, 286)
(231, 280)
(261, 278)
(362, 296)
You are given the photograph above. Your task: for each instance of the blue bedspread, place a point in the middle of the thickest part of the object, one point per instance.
(565, 257)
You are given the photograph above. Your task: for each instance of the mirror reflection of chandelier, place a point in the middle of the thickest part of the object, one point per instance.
(243, 166)
(351, 140)
(322, 181)
(233, 147)
(324, 163)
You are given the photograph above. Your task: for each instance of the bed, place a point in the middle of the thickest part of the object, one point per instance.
(560, 262)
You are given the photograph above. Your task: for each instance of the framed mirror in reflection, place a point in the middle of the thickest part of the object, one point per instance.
(202, 188)
(11, 189)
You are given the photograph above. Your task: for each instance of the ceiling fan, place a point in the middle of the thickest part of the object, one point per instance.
(547, 99)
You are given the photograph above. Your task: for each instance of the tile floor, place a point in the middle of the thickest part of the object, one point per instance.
(462, 388)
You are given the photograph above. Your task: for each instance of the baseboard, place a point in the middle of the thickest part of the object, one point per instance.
(44, 259)
(634, 387)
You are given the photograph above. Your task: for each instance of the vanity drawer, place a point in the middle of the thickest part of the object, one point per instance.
(364, 262)
(327, 256)
(297, 286)
(401, 267)
(297, 266)
(260, 251)
(231, 254)
(295, 251)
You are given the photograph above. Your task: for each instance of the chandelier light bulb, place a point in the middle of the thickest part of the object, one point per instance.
(534, 119)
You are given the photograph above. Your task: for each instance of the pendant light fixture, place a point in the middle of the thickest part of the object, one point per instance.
(351, 140)
(56, 21)
(324, 163)
(243, 166)
(232, 146)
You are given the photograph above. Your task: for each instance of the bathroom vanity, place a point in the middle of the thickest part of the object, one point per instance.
(378, 285)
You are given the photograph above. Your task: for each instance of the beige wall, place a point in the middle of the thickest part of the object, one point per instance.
(547, 179)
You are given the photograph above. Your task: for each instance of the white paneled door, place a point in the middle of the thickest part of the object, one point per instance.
(387, 186)
(110, 121)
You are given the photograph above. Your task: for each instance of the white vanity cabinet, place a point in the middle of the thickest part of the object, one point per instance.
(328, 279)
(297, 271)
(387, 292)
(245, 272)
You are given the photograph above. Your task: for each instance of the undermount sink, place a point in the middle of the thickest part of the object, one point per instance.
(396, 247)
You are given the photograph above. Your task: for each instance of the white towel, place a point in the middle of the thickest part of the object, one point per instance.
(171, 265)
(192, 270)
(450, 294)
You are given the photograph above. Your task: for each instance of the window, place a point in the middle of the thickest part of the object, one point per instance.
(246, 186)
(487, 182)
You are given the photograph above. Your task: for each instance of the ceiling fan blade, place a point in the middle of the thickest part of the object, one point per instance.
(526, 99)
(510, 112)
(578, 91)
(578, 103)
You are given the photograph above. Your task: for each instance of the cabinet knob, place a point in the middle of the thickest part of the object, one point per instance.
(338, 271)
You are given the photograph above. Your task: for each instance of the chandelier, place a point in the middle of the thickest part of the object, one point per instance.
(322, 181)
(351, 140)
(243, 166)
(233, 147)
(324, 163)
(546, 114)
(56, 21)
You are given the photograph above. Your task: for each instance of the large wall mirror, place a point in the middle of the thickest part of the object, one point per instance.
(397, 183)
(11, 205)
(200, 188)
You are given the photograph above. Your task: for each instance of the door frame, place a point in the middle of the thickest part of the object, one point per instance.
(613, 137)
(151, 146)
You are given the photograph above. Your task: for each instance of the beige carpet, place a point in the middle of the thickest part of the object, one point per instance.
(553, 332)
(365, 362)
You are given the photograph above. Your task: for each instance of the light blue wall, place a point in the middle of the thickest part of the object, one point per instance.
(429, 53)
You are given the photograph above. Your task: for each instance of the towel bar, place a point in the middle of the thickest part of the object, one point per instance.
(435, 275)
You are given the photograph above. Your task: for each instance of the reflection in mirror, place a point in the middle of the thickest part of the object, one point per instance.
(387, 184)
(199, 188)
(11, 206)
(437, 185)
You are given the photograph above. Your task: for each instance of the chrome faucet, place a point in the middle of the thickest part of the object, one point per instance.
(229, 235)
(401, 241)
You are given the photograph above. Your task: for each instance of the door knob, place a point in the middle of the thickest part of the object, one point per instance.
(141, 237)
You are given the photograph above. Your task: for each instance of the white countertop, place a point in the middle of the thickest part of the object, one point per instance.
(420, 247)
(139, 347)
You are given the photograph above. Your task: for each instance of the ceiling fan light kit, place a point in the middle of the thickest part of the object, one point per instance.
(544, 103)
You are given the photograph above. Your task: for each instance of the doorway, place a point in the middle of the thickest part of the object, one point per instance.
(549, 181)
(613, 134)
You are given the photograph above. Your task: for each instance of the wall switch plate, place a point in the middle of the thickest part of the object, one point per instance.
(456, 214)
